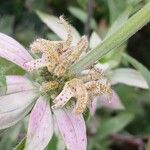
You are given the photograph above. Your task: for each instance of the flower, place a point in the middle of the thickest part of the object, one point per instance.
(22, 94)
(53, 84)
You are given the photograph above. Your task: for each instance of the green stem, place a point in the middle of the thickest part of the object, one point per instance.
(132, 25)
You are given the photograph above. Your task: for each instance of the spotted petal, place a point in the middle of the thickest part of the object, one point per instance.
(63, 97)
(40, 129)
(72, 128)
(11, 50)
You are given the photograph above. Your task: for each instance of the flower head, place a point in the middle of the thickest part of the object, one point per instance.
(57, 57)
(52, 86)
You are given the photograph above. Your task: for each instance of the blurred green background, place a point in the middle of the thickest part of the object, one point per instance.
(128, 129)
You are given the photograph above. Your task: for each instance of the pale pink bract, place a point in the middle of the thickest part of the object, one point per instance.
(22, 94)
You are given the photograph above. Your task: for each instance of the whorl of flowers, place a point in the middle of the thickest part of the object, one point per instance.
(49, 90)
(57, 57)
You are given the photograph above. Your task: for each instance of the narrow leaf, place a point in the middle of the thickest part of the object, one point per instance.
(119, 21)
(132, 25)
(81, 15)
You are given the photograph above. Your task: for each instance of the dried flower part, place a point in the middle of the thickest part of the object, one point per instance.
(81, 97)
(81, 46)
(92, 75)
(51, 50)
(96, 88)
(74, 88)
(80, 93)
(44, 46)
(49, 59)
(49, 86)
(68, 41)
(57, 57)
(66, 53)
(74, 55)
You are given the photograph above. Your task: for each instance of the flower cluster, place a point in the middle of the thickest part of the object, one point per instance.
(57, 57)
(51, 85)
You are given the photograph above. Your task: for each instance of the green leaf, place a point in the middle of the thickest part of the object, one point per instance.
(9, 68)
(119, 21)
(116, 7)
(9, 136)
(3, 85)
(132, 25)
(86, 114)
(6, 24)
(35, 4)
(53, 143)
(21, 145)
(114, 57)
(82, 3)
(142, 69)
(115, 124)
(81, 15)
(133, 2)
